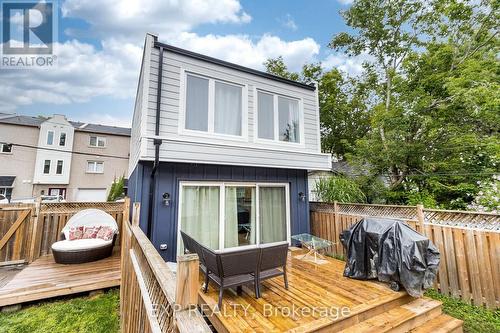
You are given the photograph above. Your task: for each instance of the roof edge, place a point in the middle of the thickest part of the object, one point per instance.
(231, 65)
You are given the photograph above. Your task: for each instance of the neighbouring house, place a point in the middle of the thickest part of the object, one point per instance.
(220, 151)
(54, 156)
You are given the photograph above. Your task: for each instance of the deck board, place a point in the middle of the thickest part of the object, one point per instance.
(45, 279)
(313, 289)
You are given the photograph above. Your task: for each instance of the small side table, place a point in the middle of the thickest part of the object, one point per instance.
(313, 244)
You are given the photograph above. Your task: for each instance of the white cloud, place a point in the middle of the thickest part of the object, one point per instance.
(288, 22)
(350, 65)
(82, 73)
(346, 2)
(105, 119)
(241, 49)
(131, 19)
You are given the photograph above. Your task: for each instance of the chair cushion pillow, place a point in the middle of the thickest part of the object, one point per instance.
(80, 244)
(105, 233)
(75, 233)
(90, 232)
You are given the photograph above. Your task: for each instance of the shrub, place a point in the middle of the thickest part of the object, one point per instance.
(339, 188)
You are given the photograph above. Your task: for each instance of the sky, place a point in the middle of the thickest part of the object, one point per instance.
(100, 43)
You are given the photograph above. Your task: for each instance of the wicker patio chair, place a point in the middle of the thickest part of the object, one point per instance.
(232, 269)
(80, 251)
(192, 246)
(272, 262)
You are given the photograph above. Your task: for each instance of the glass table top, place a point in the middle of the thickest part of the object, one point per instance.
(312, 241)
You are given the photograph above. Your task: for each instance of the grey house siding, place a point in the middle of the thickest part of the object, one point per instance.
(164, 228)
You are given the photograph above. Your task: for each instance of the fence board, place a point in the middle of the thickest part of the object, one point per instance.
(469, 243)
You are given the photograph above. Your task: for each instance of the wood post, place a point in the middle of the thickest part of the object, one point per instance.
(420, 218)
(186, 294)
(136, 213)
(34, 231)
(337, 227)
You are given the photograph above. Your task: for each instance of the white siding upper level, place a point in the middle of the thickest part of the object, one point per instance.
(209, 113)
(53, 156)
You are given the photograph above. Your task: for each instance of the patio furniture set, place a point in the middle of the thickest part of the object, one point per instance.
(237, 267)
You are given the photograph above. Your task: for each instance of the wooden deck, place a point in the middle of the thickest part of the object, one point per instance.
(319, 298)
(45, 279)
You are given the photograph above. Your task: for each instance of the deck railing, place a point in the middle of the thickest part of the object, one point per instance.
(152, 297)
(469, 243)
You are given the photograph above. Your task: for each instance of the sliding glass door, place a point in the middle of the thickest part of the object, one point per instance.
(229, 215)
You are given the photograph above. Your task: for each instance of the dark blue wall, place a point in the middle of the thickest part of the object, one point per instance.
(164, 229)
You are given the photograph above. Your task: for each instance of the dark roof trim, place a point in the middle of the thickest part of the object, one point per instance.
(7, 181)
(232, 66)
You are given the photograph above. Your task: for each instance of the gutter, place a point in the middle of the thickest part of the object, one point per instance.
(157, 143)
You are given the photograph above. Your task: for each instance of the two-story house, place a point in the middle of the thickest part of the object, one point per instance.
(220, 151)
(54, 156)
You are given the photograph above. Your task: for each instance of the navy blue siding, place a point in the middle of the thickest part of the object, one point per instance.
(164, 230)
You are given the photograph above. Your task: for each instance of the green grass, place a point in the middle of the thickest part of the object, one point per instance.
(476, 319)
(79, 315)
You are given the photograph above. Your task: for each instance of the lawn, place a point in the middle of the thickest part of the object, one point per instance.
(82, 315)
(476, 319)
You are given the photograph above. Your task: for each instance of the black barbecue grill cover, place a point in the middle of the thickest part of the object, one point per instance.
(389, 250)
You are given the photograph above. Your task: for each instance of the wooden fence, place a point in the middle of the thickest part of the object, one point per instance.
(152, 297)
(469, 243)
(27, 231)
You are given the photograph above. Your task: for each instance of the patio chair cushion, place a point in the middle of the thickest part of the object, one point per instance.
(80, 244)
(105, 233)
(90, 232)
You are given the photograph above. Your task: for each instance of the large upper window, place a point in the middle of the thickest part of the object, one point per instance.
(95, 167)
(97, 141)
(278, 118)
(228, 215)
(213, 106)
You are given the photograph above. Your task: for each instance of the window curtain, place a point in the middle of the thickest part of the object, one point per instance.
(196, 103)
(288, 117)
(265, 116)
(231, 217)
(228, 109)
(200, 214)
(272, 209)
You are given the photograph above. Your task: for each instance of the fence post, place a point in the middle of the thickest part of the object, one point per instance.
(34, 231)
(420, 218)
(337, 227)
(186, 293)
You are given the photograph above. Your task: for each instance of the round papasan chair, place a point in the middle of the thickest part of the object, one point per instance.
(76, 251)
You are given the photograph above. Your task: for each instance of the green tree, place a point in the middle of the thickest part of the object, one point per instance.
(116, 190)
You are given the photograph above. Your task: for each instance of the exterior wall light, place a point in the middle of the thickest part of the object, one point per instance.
(302, 196)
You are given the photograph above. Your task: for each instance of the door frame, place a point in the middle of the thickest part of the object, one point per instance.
(222, 186)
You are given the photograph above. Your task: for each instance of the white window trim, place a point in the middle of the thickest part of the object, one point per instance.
(43, 167)
(211, 108)
(47, 138)
(276, 141)
(103, 138)
(222, 196)
(5, 152)
(95, 168)
(65, 139)
(62, 167)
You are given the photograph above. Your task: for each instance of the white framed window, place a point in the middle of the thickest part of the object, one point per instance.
(59, 167)
(280, 118)
(50, 138)
(46, 167)
(62, 139)
(95, 167)
(224, 215)
(5, 148)
(214, 107)
(97, 141)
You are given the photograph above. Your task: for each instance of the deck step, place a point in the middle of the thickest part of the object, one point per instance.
(441, 324)
(400, 319)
